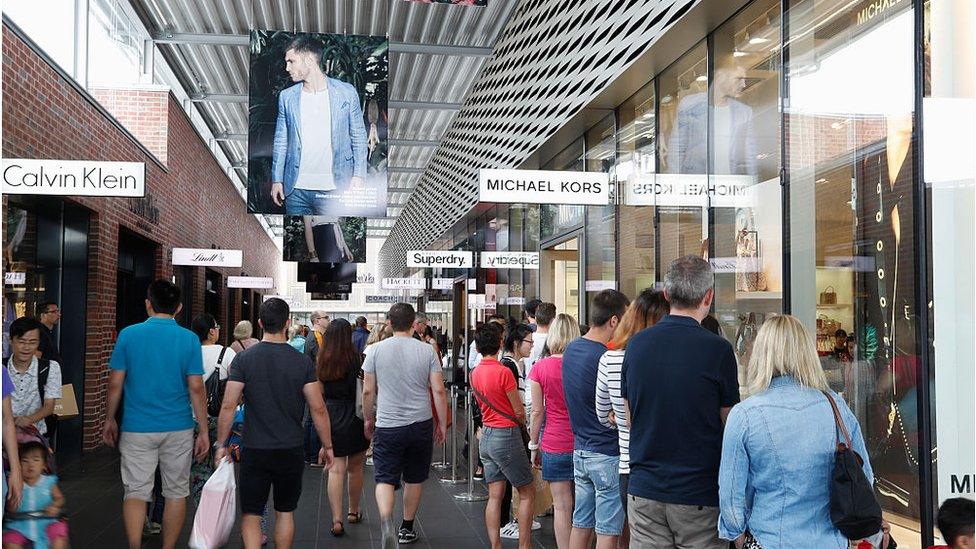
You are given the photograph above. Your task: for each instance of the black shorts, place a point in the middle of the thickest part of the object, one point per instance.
(261, 469)
(403, 452)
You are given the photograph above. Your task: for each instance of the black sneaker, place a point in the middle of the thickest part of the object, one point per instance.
(407, 536)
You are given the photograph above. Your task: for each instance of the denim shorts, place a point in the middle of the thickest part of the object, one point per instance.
(504, 457)
(557, 467)
(598, 502)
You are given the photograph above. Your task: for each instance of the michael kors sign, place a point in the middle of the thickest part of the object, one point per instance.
(543, 187)
(208, 257)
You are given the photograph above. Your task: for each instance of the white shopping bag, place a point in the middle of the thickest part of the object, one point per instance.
(217, 512)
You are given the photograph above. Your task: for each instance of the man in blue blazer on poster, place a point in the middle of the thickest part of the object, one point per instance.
(320, 136)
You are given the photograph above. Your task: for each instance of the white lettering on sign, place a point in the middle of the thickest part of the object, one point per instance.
(403, 284)
(543, 187)
(73, 177)
(445, 259)
(510, 260)
(600, 285)
(719, 191)
(514, 301)
(250, 282)
(441, 283)
(208, 257)
(14, 278)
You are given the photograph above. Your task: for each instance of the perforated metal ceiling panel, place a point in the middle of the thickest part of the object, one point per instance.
(555, 56)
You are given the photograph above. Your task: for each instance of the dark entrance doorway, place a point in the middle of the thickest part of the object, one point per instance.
(184, 280)
(137, 265)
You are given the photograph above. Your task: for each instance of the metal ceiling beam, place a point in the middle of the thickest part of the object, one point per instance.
(404, 169)
(219, 97)
(415, 142)
(168, 37)
(426, 105)
(440, 49)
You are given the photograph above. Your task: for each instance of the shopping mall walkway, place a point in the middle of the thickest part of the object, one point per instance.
(93, 490)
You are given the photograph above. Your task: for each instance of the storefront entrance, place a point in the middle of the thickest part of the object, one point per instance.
(560, 276)
(137, 264)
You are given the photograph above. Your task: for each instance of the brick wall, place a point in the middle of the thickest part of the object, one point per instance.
(144, 112)
(46, 117)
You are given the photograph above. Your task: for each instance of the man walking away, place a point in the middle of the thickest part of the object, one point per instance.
(160, 365)
(320, 321)
(400, 374)
(276, 383)
(360, 334)
(596, 453)
(680, 382)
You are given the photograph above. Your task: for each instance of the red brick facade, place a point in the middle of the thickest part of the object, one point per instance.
(144, 112)
(44, 116)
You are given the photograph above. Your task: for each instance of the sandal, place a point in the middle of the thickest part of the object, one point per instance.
(337, 529)
(354, 518)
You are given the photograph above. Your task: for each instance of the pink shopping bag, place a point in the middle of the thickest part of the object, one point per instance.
(215, 517)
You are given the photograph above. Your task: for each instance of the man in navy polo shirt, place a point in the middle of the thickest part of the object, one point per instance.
(680, 382)
(160, 365)
(596, 454)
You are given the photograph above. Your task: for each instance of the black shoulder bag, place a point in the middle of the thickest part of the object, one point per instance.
(853, 507)
(216, 387)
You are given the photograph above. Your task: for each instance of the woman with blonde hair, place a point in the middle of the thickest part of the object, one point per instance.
(243, 336)
(778, 447)
(611, 409)
(549, 403)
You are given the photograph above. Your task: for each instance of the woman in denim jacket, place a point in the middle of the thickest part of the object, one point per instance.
(778, 447)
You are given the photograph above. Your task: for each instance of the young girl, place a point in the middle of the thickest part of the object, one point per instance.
(41, 495)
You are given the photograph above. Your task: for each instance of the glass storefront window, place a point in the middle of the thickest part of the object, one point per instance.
(530, 242)
(636, 166)
(115, 46)
(556, 218)
(598, 229)
(850, 160)
(683, 156)
(744, 152)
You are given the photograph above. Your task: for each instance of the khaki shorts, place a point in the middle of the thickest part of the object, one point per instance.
(142, 452)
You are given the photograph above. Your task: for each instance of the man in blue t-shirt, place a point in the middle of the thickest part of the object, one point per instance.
(596, 454)
(160, 366)
(679, 381)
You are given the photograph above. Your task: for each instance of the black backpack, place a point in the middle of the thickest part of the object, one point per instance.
(216, 387)
(853, 507)
(43, 369)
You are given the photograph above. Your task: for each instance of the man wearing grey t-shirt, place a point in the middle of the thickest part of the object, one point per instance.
(400, 375)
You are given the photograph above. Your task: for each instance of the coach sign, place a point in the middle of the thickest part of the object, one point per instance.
(442, 259)
(207, 257)
(73, 177)
(543, 187)
(509, 260)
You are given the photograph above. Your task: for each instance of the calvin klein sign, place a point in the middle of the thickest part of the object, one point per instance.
(443, 259)
(73, 177)
(250, 282)
(510, 260)
(208, 257)
(543, 187)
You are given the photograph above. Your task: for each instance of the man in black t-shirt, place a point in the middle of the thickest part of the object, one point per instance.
(276, 383)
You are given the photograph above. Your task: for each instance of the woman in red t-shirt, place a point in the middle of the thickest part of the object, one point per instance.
(548, 401)
(501, 447)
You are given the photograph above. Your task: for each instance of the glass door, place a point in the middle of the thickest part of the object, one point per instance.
(560, 277)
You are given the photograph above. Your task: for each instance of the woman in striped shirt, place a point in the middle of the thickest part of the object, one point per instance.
(649, 307)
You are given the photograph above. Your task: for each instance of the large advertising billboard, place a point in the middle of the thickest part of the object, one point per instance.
(317, 136)
(324, 239)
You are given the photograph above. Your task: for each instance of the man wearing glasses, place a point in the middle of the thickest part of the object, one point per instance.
(49, 314)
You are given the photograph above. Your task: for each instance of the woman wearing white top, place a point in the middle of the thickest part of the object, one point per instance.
(325, 241)
(649, 307)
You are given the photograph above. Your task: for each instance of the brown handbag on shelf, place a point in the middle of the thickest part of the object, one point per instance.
(828, 296)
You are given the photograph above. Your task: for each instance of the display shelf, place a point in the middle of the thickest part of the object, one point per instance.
(742, 296)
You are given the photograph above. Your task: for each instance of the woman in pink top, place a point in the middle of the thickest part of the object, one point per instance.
(556, 457)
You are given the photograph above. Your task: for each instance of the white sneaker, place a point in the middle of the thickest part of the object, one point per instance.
(510, 531)
(536, 525)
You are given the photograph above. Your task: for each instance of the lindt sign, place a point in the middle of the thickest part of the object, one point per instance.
(208, 257)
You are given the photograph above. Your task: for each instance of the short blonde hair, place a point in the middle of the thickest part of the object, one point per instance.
(784, 347)
(243, 330)
(380, 332)
(562, 330)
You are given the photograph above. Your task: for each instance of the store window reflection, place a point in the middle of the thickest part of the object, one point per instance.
(599, 263)
(682, 157)
(634, 175)
(850, 157)
(556, 218)
(744, 152)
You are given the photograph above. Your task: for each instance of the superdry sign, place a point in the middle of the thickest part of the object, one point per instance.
(543, 187)
(510, 260)
(73, 177)
(442, 259)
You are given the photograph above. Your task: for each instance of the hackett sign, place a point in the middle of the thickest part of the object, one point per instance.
(208, 257)
(74, 177)
(446, 259)
(543, 187)
(509, 260)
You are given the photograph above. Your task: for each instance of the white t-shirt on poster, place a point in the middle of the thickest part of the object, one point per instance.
(315, 166)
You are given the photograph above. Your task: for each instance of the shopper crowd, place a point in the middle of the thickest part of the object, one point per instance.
(631, 431)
